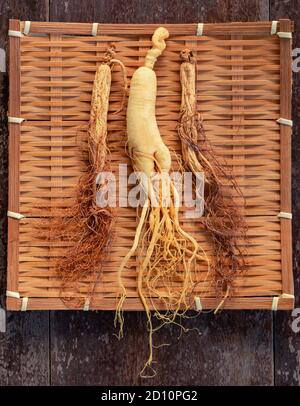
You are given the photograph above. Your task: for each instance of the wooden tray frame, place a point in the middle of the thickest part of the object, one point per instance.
(285, 154)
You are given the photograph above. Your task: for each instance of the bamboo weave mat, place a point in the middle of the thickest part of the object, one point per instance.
(243, 87)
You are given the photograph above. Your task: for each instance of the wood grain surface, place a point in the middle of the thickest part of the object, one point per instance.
(80, 348)
(287, 341)
(24, 348)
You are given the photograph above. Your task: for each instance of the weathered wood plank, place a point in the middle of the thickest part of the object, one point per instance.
(234, 347)
(24, 349)
(158, 11)
(84, 350)
(229, 11)
(287, 341)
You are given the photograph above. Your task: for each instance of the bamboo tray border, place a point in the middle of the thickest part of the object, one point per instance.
(250, 28)
(240, 28)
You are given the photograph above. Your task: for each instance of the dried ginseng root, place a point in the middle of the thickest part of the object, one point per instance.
(87, 226)
(167, 253)
(224, 222)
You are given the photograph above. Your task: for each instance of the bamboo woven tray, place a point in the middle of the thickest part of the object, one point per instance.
(244, 86)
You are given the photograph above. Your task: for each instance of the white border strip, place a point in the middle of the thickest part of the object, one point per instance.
(95, 29)
(287, 35)
(274, 27)
(26, 28)
(10, 293)
(19, 34)
(12, 33)
(285, 121)
(200, 28)
(24, 304)
(14, 215)
(276, 300)
(86, 306)
(198, 304)
(285, 215)
(15, 120)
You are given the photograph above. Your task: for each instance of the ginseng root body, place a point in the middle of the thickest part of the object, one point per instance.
(166, 252)
(223, 220)
(86, 228)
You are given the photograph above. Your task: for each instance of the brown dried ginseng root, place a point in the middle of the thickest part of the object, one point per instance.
(223, 221)
(87, 226)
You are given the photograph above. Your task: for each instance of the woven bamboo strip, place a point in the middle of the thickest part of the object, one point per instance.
(249, 303)
(250, 28)
(13, 186)
(285, 158)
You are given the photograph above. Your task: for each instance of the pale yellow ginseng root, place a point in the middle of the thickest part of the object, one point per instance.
(167, 252)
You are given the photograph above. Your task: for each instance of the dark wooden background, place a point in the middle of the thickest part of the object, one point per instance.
(72, 348)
